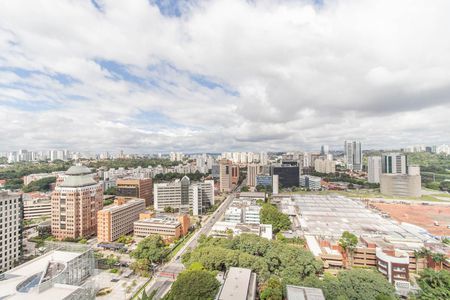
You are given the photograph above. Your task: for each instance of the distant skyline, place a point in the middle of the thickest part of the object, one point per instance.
(206, 76)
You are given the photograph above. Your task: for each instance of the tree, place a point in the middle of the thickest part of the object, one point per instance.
(435, 285)
(194, 285)
(151, 248)
(168, 209)
(348, 242)
(438, 259)
(41, 185)
(272, 290)
(110, 191)
(245, 189)
(269, 214)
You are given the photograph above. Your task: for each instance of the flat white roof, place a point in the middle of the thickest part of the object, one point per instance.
(236, 284)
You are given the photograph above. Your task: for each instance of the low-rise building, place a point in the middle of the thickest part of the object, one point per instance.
(118, 220)
(393, 263)
(264, 180)
(240, 284)
(311, 182)
(36, 205)
(166, 226)
(294, 292)
(224, 229)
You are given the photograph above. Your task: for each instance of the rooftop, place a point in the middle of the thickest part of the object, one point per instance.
(303, 293)
(238, 284)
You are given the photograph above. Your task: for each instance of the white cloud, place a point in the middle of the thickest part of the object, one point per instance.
(287, 74)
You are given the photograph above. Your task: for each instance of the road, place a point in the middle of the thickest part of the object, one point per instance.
(167, 273)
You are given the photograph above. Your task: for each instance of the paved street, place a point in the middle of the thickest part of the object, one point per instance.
(167, 274)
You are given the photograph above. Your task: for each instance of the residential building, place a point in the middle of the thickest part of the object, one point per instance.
(63, 273)
(75, 203)
(311, 182)
(162, 225)
(252, 171)
(225, 182)
(11, 223)
(394, 163)
(294, 292)
(325, 166)
(288, 176)
(353, 155)
(373, 169)
(118, 220)
(182, 195)
(240, 284)
(443, 149)
(234, 174)
(136, 188)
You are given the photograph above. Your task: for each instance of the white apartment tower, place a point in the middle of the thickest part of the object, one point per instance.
(252, 171)
(11, 219)
(353, 155)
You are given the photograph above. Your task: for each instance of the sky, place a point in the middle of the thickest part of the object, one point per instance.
(223, 75)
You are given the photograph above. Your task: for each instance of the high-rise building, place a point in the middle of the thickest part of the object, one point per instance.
(118, 220)
(11, 223)
(373, 169)
(288, 176)
(184, 196)
(225, 183)
(275, 185)
(136, 188)
(252, 171)
(353, 155)
(324, 150)
(75, 203)
(394, 163)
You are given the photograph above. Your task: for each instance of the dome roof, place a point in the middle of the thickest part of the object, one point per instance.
(78, 170)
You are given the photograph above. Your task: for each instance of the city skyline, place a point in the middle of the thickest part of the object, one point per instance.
(196, 76)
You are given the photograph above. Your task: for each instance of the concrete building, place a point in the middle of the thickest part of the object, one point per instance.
(240, 284)
(36, 205)
(275, 184)
(136, 188)
(64, 273)
(294, 292)
(223, 229)
(118, 220)
(252, 171)
(225, 183)
(393, 263)
(183, 196)
(234, 174)
(394, 163)
(353, 155)
(401, 185)
(75, 203)
(162, 225)
(243, 211)
(325, 166)
(11, 224)
(373, 169)
(311, 182)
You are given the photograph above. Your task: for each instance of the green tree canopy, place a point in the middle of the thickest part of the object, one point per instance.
(151, 248)
(194, 285)
(269, 214)
(434, 285)
(348, 241)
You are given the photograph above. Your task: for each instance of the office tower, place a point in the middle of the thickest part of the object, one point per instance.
(324, 150)
(288, 176)
(353, 155)
(183, 196)
(118, 220)
(75, 203)
(225, 184)
(234, 174)
(324, 166)
(373, 169)
(394, 163)
(11, 222)
(252, 171)
(136, 188)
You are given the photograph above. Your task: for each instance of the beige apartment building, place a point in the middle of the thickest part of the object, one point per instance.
(162, 225)
(75, 203)
(118, 220)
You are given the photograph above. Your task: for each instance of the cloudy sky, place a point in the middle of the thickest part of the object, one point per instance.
(216, 75)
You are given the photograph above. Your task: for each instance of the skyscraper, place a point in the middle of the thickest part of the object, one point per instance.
(11, 222)
(353, 155)
(225, 184)
(374, 169)
(252, 171)
(324, 150)
(75, 203)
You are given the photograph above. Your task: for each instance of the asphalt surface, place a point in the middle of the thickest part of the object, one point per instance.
(167, 273)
